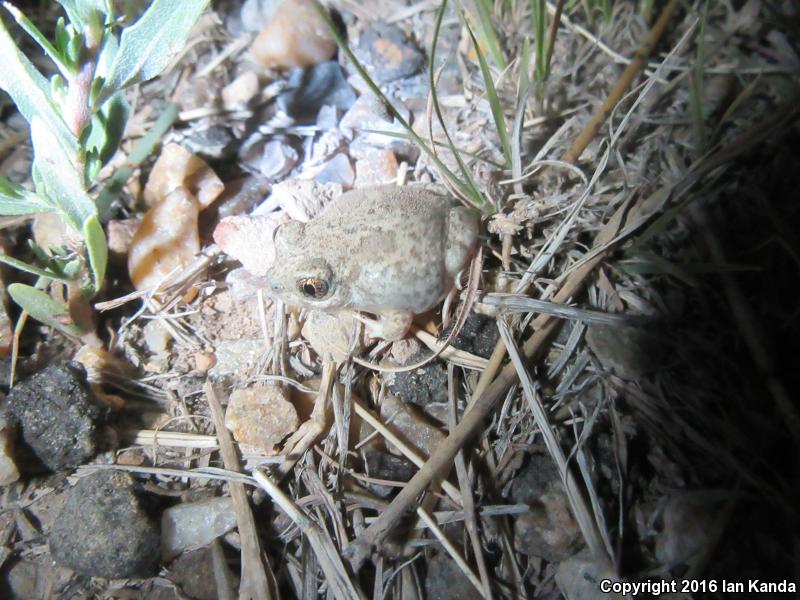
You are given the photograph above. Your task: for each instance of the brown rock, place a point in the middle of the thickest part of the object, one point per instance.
(240, 91)
(261, 416)
(203, 361)
(167, 239)
(378, 168)
(177, 167)
(296, 36)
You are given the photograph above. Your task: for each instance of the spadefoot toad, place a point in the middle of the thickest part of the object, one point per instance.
(391, 251)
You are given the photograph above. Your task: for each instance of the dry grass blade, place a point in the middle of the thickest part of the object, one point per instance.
(636, 65)
(255, 583)
(328, 556)
(580, 509)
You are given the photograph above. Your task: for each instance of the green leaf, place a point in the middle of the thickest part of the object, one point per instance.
(80, 12)
(57, 179)
(107, 127)
(43, 308)
(491, 95)
(97, 249)
(37, 36)
(23, 266)
(147, 46)
(16, 200)
(30, 91)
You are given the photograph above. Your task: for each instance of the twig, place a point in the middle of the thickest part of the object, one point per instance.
(636, 65)
(254, 584)
(328, 556)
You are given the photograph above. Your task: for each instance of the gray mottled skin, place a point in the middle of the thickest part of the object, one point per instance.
(388, 250)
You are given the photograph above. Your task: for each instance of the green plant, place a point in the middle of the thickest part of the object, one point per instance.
(77, 118)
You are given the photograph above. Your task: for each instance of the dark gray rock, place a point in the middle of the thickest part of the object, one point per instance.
(446, 581)
(422, 386)
(102, 531)
(58, 416)
(478, 336)
(387, 53)
(630, 352)
(382, 465)
(307, 90)
(211, 143)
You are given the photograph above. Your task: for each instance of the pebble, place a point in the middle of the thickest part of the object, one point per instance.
(254, 14)
(214, 142)
(630, 352)
(203, 361)
(166, 240)
(102, 531)
(156, 336)
(8, 468)
(423, 386)
(387, 53)
(240, 91)
(241, 196)
(261, 416)
(411, 424)
(57, 416)
(310, 89)
(249, 240)
(295, 36)
(192, 525)
(235, 357)
(446, 581)
(688, 523)
(548, 530)
(193, 574)
(177, 167)
(579, 577)
(338, 170)
(367, 116)
(277, 159)
(120, 234)
(382, 465)
(377, 168)
(478, 336)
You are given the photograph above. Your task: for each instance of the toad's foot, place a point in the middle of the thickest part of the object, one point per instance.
(390, 325)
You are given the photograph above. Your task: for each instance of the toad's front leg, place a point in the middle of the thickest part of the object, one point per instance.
(390, 325)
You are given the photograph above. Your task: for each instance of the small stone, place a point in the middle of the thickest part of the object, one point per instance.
(337, 170)
(193, 525)
(277, 159)
(304, 199)
(237, 356)
(367, 116)
(102, 531)
(579, 577)
(120, 234)
(387, 53)
(30, 578)
(446, 581)
(156, 336)
(214, 142)
(310, 89)
(630, 352)
(548, 530)
(412, 425)
(166, 240)
(241, 196)
(688, 527)
(261, 416)
(257, 13)
(240, 91)
(6, 331)
(422, 386)
(382, 465)
(329, 334)
(295, 36)
(478, 336)
(8, 468)
(378, 168)
(193, 574)
(249, 239)
(203, 361)
(58, 416)
(177, 167)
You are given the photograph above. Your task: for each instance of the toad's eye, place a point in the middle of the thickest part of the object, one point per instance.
(313, 287)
